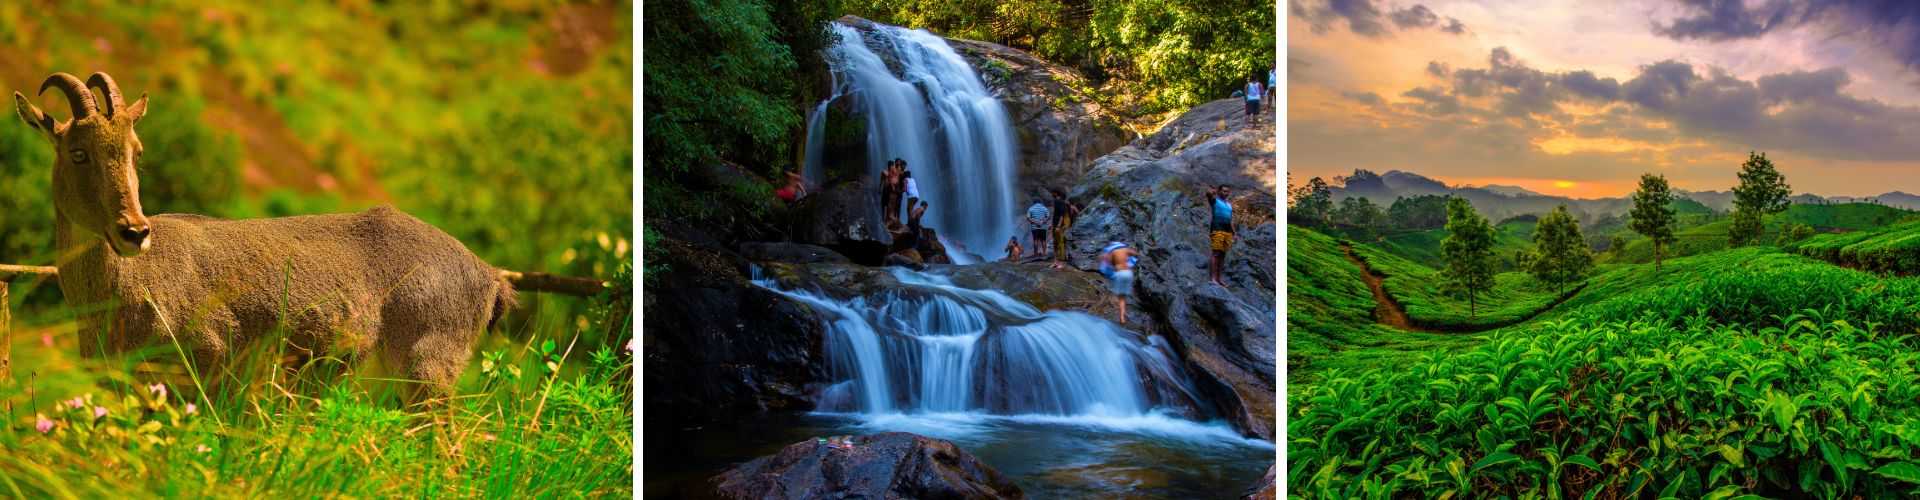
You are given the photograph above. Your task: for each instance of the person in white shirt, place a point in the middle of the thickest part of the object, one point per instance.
(1253, 93)
(912, 190)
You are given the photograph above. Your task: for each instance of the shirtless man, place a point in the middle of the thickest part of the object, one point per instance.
(1116, 261)
(796, 188)
(889, 197)
(1013, 249)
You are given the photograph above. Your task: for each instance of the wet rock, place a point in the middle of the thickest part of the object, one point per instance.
(715, 345)
(1062, 129)
(846, 218)
(908, 258)
(1264, 488)
(1150, 194)
(796, 253)
(887, 465)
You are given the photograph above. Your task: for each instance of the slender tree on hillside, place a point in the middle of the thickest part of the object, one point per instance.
(1652, 214)
(1615, 244)
(1560, 254)
(1468, 251)
(1312, 202)
(1762, 192)
(1360, 211)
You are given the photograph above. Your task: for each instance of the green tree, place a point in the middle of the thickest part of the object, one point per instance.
(1360, 211)
(1560, 253)
(1468, 251)
(1616, 244)
(1762, 192)
(721, 82)
(1312, 203)
(1652, 214)
(1793, 232)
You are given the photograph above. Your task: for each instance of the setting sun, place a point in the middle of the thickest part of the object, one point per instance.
(1565, 184)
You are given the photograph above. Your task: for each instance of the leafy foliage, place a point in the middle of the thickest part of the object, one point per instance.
(1360, 211)
(1652, 214)
(1168, 54)
(1812, 406)
(1762, 192)
(1311, 203)
(1560, 254)
(1894, 248)
(1468, 252)
(1427, 211)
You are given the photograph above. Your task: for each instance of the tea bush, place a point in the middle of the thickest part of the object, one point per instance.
(1583, 406)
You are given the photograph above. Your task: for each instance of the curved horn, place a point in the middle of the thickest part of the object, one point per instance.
(105, 83)
(77, 94)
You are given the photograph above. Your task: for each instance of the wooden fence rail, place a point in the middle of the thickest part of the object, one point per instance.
(522, 281)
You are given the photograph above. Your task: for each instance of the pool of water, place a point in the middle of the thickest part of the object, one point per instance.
(1150, 456)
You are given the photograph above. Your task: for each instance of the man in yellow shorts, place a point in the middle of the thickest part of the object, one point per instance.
(1221, 229)
(1063, 212)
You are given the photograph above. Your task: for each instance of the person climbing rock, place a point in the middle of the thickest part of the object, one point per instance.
(912, 190)
(1037, 221)
(1013, 249)
(1220, 230)
(796, 188)
(1252, 94)
(1116, 263)
(913, 226)
(1063, 213)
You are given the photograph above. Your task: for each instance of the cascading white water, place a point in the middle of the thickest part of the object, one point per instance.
(933, 347)
(816, 142)
(932, 110)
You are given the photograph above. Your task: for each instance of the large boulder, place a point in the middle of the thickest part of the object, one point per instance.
(1264, 489)
(845, 217)
(1062, 128)
(717, 346)
(1151, 195)
(887, 465)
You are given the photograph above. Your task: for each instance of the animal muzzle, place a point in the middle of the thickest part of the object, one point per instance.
(131, 237)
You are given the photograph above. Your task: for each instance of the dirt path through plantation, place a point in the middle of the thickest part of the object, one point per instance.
(1388, 312)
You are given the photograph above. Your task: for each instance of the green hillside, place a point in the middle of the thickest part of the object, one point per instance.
(1712, 235)
(1894, 248)
(1423, 246)
(1747, 371)
(1330, 314)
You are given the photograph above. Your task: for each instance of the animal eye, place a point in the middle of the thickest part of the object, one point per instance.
(79, 156)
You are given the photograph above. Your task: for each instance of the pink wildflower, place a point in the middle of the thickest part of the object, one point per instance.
(76, 402)
(201, 449)
(158, 390)
(46, 339)
(631, 343)
(41, 423)
(99, 411)
(191, 410)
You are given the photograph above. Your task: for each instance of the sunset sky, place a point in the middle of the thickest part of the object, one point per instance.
(1578, 98)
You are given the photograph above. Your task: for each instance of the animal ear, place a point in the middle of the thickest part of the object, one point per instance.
(35, 117)
(138, 109)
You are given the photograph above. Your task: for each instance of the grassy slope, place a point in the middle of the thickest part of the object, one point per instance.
(490, 123)
(1894, 248)
(1423, 247)
(1712, 235)
(1424, 418)
(1330, 322)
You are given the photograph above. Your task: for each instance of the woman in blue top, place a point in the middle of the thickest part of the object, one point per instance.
(1220, 228)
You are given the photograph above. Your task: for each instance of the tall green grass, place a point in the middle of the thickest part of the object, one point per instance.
(551, 416)
(1894, 248)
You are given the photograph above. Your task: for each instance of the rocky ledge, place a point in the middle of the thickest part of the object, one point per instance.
(887, 465)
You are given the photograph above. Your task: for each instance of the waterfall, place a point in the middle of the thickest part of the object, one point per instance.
(932, 347)
(817, 141)
(923, 103)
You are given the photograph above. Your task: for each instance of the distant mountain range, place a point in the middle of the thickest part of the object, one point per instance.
(1499, 202)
